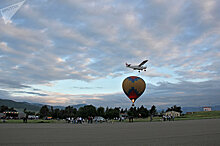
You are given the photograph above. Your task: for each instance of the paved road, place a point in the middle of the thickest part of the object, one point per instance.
(194, 132)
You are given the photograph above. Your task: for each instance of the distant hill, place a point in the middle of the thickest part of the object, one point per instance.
(37, 106)
(77, 106)
(19, 105)
(198, 109)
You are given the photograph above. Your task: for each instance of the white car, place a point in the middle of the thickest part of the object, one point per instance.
(99, 119)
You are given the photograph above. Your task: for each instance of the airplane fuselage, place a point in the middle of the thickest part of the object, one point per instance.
(137, 67)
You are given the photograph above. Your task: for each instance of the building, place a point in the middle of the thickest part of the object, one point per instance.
(207, 108)
(12, 115)
(173, 113)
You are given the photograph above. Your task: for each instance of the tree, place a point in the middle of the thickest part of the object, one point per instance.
(44, 111)
(25, 109)
(101, 111)
(116, 112)
(112, 113)
(70, 111)
(29, 113)
(131, 112)
(174, 108)
(88, 110)
(143, 112)
(56, 113)
(3, 108)
(153, 110)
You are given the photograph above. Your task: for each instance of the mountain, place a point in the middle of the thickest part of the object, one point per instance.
(19, 105)
(197, 109)
(191, 109)
(216, 108)
(77, 106)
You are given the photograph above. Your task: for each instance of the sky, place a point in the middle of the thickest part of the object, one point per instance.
(74, 52)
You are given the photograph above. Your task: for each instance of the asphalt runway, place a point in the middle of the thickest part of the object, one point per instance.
(192, 132)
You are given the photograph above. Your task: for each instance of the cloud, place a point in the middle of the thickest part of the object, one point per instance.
(4, 83)
(82, 37)
(32, 93)
(184, 94)
(86, 88)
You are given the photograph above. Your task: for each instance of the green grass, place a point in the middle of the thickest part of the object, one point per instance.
(194, 116)
(200, 115)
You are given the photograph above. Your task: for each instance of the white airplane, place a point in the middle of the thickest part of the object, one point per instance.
(139, 67)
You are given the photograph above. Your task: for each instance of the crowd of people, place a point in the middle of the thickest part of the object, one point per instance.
(168, 117)
(75, 120)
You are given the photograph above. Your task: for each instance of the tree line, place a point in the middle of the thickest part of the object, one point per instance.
(90, 110)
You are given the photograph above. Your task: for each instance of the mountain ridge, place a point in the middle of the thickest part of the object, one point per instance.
(20, 106)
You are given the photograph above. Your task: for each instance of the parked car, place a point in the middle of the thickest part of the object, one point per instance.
(99, 119)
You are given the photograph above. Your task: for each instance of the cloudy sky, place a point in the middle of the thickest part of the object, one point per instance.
(66, 52)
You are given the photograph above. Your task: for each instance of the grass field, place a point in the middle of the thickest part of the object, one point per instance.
(194, 116)
(200, 115)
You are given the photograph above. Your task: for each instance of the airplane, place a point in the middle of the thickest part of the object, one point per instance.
(139, 67)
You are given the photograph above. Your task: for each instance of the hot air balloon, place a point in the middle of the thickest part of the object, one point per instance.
(133, 87)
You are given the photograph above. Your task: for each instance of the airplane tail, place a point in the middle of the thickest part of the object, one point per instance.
(127, 64)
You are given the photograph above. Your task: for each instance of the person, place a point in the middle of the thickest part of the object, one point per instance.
(163, 118)
(169, 117)
(80, 120)
(122, 118)
(91, 118)
(151, 118)
(173, 117)
(74, 120)
(131, 119)
(25, 120)
(4, 119)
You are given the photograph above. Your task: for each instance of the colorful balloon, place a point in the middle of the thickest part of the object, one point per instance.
(133, 87)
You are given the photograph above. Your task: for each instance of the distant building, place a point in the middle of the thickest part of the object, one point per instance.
(172, 113)
(12, 115)
(207, 109)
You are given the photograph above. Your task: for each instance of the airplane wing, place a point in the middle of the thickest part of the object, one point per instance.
(142, 63)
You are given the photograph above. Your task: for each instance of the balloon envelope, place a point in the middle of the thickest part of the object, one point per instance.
(133, 87)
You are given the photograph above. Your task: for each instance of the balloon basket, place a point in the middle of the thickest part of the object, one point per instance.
(133, 104)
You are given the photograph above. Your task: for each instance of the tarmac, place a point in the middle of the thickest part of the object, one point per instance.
(190, 132)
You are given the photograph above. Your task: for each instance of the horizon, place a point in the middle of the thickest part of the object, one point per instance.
(159, 108)
(74, 52)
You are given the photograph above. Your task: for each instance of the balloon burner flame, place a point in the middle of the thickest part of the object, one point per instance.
(132, 100)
